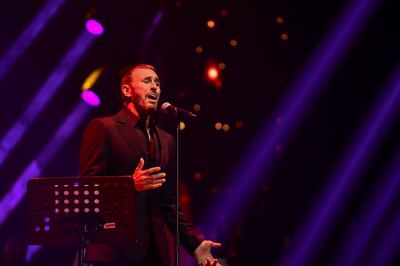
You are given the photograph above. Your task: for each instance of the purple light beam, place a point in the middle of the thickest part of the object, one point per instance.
(328, 204)
(11, 200)
(261, 154)
(27, 37)
(372, 214)
(52, 84)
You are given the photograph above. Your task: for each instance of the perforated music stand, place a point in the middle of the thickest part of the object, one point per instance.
(81, 210)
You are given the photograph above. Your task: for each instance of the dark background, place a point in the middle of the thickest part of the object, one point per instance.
(258, 73)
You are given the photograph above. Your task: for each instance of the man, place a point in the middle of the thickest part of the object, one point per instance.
(114, 145)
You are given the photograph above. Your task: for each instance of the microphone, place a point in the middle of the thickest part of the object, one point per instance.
(167, 107)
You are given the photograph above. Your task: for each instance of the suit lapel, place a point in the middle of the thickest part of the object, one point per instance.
(126, 128)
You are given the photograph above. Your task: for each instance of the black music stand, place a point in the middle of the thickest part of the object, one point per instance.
(81, 210)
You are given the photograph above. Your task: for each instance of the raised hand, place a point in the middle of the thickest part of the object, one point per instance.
(147, 179)
(203, 253)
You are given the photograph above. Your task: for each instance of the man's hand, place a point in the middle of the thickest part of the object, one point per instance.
(147, 179)
(203, 253)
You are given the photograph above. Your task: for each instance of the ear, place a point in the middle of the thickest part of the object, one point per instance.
(126, 90)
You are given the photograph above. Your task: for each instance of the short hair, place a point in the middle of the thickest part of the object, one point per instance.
(127, 78)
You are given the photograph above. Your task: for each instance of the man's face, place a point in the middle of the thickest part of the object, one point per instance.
(145, 88)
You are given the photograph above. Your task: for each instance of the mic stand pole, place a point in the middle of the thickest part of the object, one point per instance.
(177, 196)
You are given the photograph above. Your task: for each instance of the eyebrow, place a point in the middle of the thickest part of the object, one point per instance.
(149, 78)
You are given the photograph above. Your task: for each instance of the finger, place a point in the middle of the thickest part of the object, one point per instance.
(151, 170)
(139, 167)
(157, 181)
(215, 244)
(158, 176)
(145, 179)
(154, 186)
(215, 261)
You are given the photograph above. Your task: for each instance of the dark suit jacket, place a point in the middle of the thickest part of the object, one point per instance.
(111, 146)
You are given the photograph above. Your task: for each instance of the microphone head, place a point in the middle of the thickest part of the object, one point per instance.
(165, 106)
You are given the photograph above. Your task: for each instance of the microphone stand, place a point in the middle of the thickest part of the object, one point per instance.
(177, 112)
(177, 195)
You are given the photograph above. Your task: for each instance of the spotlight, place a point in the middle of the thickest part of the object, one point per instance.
(279, 20)
(233, 43)
(199, 49)
(212, 73)
(92, 78)
(211, 24)
(94, 27)
(90, 98)
(197, 107)
(226, 127)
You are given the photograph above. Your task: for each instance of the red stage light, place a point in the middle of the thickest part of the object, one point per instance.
(212, 73)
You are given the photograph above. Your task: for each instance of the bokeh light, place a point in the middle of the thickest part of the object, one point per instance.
(284, 36)
(212, 73)
(211, 24)
(90, 98)
(94, 27)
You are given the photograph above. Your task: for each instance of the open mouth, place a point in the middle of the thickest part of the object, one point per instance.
(152, 96)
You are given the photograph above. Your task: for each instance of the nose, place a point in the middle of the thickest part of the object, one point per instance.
(154, 86)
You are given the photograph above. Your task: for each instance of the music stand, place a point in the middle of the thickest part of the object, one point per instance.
(81, 210)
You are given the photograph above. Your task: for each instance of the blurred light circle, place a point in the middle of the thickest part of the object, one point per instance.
(91, 98)
(94, 27)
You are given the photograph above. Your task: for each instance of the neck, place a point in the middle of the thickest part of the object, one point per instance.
(136, 112)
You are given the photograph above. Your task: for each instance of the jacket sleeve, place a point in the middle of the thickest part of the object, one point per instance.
(94, 154)
(189, 238)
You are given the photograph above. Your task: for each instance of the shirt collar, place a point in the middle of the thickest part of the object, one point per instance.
(135, 120)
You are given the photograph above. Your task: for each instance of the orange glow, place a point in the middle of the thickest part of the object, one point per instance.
(218, 84)
(212, 73)
(198, 176)
(211, 24)
(221, 66)
(182, 125)
(239, 124)
(225, 127)
(218, 126)
(279, 20)
(233, 43)
(224, 13)
(184, 199)
(196, 107)
(199, 49)
(284, 36)
(92, 78)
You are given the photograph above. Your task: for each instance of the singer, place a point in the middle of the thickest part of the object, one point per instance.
(130, 143)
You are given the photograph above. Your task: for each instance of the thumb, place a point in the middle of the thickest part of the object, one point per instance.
(215, 244)
(139, 167)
